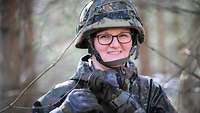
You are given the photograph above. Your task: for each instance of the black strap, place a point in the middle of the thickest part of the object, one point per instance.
(149, 97)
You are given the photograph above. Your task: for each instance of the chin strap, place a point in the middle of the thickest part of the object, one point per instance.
(116, 63)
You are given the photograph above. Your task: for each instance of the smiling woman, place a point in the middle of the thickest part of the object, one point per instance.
(106, 80)
(113, 44)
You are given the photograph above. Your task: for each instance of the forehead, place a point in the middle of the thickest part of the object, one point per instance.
(114, 30)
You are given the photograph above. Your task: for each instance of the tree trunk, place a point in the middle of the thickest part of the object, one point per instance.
(11, 60)
(16, 48)
(189, 90)
(161, 36)
(190, 86)
(144, 52)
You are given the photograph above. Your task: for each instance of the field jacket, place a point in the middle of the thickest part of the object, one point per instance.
(149, 94)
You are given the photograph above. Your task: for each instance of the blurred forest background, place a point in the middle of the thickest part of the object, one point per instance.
(34, 33)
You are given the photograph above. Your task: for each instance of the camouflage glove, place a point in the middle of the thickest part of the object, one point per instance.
(101, 84)
(81, 101)
(100, 79)
(126, 103)
(120, 101)
(105, 87)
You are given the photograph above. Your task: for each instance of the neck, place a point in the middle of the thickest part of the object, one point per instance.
(98, 65)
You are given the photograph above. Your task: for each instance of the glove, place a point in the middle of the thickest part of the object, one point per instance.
(80, 101)
(120, 101)
(99, 78)
(103, 83)
(105, 86)
(126, 103)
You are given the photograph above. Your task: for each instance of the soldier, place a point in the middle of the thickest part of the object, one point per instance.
(106, 80)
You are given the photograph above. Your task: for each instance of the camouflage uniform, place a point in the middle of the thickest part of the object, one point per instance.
(149, 94)
(126, 91)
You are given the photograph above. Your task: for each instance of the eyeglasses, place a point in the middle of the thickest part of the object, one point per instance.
(106, 39)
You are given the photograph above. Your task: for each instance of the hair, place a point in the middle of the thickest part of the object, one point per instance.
(91, 42)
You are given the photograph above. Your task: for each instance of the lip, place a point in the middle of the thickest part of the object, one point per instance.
(114, 52)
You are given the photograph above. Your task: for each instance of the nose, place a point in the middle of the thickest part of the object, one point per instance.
(115, 43)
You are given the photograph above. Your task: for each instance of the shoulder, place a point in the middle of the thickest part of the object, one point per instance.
(55, 95)
(147, 86)
(64, 85)
(150, 87)
(154, 98)
(147, 81)
(57, 92)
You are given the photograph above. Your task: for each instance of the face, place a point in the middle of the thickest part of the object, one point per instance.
(114, 50)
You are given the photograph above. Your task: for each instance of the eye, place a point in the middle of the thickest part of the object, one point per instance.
(105, 37)
(124, 35)
(102, 36)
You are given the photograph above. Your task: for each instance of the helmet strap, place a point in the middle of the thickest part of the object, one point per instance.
(135, 46)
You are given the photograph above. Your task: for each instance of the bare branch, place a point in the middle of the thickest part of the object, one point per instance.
(37, 78)
(173, 62)
(197, 2)
(173, 8)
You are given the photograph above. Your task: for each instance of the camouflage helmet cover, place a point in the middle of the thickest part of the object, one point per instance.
(101, 14)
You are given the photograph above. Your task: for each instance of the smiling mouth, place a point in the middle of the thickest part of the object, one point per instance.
(114, 52)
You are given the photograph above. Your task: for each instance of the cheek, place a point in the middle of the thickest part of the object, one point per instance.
(127, 47)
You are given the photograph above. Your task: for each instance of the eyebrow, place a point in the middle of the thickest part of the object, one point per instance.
(111, 34)
(102, 33)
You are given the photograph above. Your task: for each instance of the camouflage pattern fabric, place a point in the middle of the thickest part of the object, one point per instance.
(102, 14)
(149, 94)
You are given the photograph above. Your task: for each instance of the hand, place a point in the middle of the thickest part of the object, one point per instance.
(103, 83)
(100, 78)
(119, 100)
(80, 101)
(105, 87)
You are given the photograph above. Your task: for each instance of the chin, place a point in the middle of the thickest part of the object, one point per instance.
(111, 57)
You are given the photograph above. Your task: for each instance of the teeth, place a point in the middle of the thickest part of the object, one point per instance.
(114, 52)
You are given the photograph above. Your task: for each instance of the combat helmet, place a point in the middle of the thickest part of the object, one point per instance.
(102, 14)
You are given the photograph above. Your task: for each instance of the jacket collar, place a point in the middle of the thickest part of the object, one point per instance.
(85, 69)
